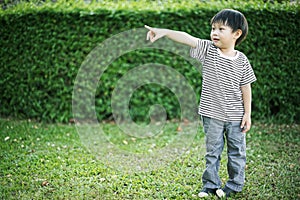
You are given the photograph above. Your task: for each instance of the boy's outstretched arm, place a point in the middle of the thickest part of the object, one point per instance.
(246, 122)
(178, 36)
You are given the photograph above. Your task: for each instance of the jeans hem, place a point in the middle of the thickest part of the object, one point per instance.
(236, 188)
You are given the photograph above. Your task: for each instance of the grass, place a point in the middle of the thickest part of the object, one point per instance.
(49, 161)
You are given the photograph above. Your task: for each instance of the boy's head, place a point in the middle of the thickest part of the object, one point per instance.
(234, 19)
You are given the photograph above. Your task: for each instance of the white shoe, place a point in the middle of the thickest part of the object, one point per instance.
(220, 193)
(225, 192)
(202, 195)
(206, 191)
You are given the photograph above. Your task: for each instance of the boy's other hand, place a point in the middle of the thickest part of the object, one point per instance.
(246, 123)
(154, 33)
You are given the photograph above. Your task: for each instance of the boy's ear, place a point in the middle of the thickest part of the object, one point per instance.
(238, 34)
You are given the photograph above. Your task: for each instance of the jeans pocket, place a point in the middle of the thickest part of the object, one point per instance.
(205, 122)
(213, 133)
(236, 138)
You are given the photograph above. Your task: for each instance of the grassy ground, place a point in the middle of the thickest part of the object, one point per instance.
(42, 161)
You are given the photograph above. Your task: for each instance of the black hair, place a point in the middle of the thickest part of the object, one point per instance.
(234, 19)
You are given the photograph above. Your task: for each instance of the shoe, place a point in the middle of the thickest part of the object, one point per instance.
(207, 191)
(225, 192)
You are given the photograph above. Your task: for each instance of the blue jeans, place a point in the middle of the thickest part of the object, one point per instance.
(216, 131)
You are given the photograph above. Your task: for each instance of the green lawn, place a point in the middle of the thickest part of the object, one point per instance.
(47, 161)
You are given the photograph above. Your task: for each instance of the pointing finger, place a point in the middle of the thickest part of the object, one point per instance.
(148, 27)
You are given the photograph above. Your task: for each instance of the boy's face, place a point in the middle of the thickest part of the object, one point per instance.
(223, 36)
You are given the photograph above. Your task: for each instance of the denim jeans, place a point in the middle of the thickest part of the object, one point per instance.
(215, 133)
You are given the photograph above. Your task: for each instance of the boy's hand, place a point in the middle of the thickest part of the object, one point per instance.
(246, 123)
(154, 33)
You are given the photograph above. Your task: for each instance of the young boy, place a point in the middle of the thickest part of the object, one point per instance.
(225, 104)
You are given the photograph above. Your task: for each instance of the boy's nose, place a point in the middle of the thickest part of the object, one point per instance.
(214, 32)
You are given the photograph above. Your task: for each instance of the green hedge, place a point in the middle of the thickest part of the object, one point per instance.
(43, 47)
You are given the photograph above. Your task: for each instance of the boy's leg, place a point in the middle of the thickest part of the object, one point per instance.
(214, 133)
(236, 150)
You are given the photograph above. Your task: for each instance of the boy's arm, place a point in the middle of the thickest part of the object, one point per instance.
(246, 122)
(178, 36)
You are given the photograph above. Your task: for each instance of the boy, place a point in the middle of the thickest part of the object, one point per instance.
(225, 104)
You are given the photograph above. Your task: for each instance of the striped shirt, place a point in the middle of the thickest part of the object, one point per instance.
(221, 96)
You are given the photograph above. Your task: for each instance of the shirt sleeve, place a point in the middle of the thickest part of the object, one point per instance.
(248, 74)
(200, 51)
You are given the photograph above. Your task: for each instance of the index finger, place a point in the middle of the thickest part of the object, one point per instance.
(148, 27)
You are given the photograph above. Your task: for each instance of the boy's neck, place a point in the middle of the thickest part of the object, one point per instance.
(230, 52)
